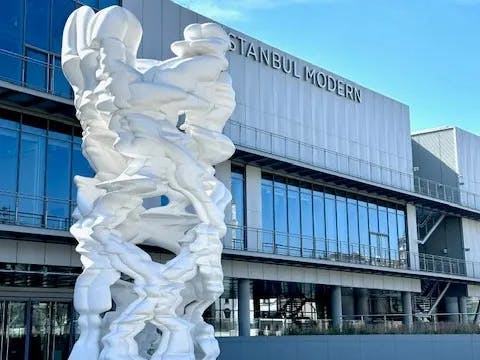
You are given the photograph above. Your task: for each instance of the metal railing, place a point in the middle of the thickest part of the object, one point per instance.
(35, 211)
(299, 246)
(42, 75)
(440, 323)
(311, 155)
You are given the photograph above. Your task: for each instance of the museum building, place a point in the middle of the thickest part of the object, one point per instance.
(341, 219)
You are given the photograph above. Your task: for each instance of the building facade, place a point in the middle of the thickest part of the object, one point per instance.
(341, 219)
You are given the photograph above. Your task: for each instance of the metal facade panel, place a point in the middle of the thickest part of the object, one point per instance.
(468, 158)
(376, 130)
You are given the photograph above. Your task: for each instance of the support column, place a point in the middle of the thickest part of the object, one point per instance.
(451, 306)
(243, 307)
(413, 260)
(337, 307)
(407, 309)
(462, 307)
(361, 302)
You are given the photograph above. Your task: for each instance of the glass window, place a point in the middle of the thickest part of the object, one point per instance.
(294, 245)
(373, 229)
(280, 211)
(319, 223)
(58, 82)
(383, 232)
(342, 225)
(402, 234)
(15, 330)
(267, 215)
(331, 224)
(61, 9)
(58, 182)
(11, 38)
(353, 238)
(9, 137)
(306, 210)
(80, 165)
(36, 70)
(393, 234)
(237, 206)
(37, 23)
(32, 176)
(363, 232)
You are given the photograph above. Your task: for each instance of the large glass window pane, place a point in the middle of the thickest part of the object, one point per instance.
(58, 82)
(9, 137)
(353, 236)
(319, 223)
(39, 339)
(363, 232)
(294, 245)
(373, 230)
(61, 331)
(37, 23)
(36, 70)
(58, 183)
(11, 38)
(281, 221)
(32, 176)
(80, 165)
(61, 9)
(383, 232)
(331, 224)
(237, 206)
(393, 234)
(402, 236)
(267, 215)
(15, 331)
(306, 210)
(342, 225)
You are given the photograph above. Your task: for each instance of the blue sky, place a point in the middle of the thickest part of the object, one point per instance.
(424, 53)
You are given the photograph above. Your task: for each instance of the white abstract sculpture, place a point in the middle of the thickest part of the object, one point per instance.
(129, 111)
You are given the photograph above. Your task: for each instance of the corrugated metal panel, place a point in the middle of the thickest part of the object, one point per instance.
(377, 130)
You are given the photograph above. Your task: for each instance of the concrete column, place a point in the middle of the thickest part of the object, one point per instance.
(337, 307)
(348, 304)
(412, 237)
(361, 302)
(244, 307)
(407, 309)
(253, 185)
(451, 306)
(462, 307)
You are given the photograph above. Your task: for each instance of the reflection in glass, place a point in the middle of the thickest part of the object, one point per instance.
(40, 331)
(363, 231)
(32, 176)
(280, 212)
(393, 234)
(331, 224)
(36, 69)
(319, 223)
(383, 232)
(11, 36)
(293, 220)
(237, 206)
(306, 208)
(58, 182)
(15, 331)
(267, 215)
(8, 160)
(353, 238)
(342, 226)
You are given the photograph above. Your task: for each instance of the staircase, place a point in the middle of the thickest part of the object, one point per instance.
(427, 222)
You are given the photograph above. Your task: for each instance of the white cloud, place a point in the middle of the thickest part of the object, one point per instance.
(236, 9)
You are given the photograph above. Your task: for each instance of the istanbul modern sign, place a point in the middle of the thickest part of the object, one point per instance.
(281, 62)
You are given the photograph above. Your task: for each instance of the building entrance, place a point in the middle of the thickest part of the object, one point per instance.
(35, 329)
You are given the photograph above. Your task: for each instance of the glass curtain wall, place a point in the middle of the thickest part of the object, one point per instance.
(41, 156)
(238, 207)
(31, 39)
(304, 219)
